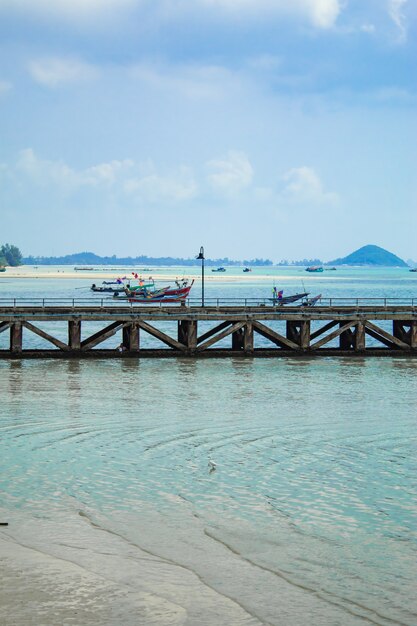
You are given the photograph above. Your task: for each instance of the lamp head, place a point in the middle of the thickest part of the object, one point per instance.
(201, 254)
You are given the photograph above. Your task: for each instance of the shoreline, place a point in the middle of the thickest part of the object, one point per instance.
(27, 272)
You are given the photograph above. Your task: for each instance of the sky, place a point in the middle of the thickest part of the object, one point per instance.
(281, 129)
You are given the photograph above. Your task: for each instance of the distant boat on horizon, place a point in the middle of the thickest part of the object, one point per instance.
(314, 268)
(247, 269)
(218, 269)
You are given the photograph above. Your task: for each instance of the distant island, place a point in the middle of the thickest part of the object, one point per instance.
(371, 255)
(89, 258)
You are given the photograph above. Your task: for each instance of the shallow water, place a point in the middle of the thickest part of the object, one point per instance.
(309, 517)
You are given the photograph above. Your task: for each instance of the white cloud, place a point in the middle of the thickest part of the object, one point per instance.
(54, 71)
(107, 173)
(74, 10)
(395, 10)
(140, 181)
(198, 82)
(231, 173)
(321, 13)
(155, 188)
(303, 185)
(45, 173)
(368, 28)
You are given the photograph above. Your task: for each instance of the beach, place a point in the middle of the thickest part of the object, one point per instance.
(233, 274)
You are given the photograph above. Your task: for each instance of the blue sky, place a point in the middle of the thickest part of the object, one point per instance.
(257, 128)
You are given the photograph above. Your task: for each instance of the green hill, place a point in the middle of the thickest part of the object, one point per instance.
(371, 255)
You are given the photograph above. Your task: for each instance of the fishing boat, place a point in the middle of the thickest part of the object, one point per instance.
(413, 269)
(279, 299)
(314, 268)
(247, 269)
(311, 301)
(218, 269)
(141, 287)
(163, 295)
(107, 289)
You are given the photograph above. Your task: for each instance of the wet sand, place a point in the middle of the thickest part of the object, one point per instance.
(68, 572)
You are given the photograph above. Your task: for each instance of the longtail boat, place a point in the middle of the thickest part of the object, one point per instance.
(311, 301)
(107, 289)
(163, 295)
(278, 298)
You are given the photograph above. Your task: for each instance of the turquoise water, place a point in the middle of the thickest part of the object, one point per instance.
(310, 516)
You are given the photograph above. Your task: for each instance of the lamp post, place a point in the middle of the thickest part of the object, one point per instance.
(201, 256)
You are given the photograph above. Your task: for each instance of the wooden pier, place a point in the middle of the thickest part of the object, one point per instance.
(194, 331)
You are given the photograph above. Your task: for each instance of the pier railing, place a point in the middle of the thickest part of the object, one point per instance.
(105, 302)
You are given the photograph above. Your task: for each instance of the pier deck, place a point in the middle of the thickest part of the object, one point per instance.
(380, 328)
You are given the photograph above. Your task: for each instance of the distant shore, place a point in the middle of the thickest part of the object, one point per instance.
(97, 275)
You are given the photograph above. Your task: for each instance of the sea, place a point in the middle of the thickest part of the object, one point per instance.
(213, 492)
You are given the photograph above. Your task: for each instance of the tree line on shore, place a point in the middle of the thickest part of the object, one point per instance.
(10, 255)
(89, 258)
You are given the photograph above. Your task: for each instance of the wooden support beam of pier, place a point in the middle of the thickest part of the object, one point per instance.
(74, 334)
(131, 338)
(16, 337)
(273, 336)
(228, 331)
(101, 336)
(406, 331)
(359, 341)
(402, 330)
(213, 331)
(4, 326)
(386, 338)
(413, 335)
(248, 344)
(187, 333)
(322, 330)
(333, 335)
(41, 333)
(158, 334)
(347, 338)
(299, 332)
(237, 339)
